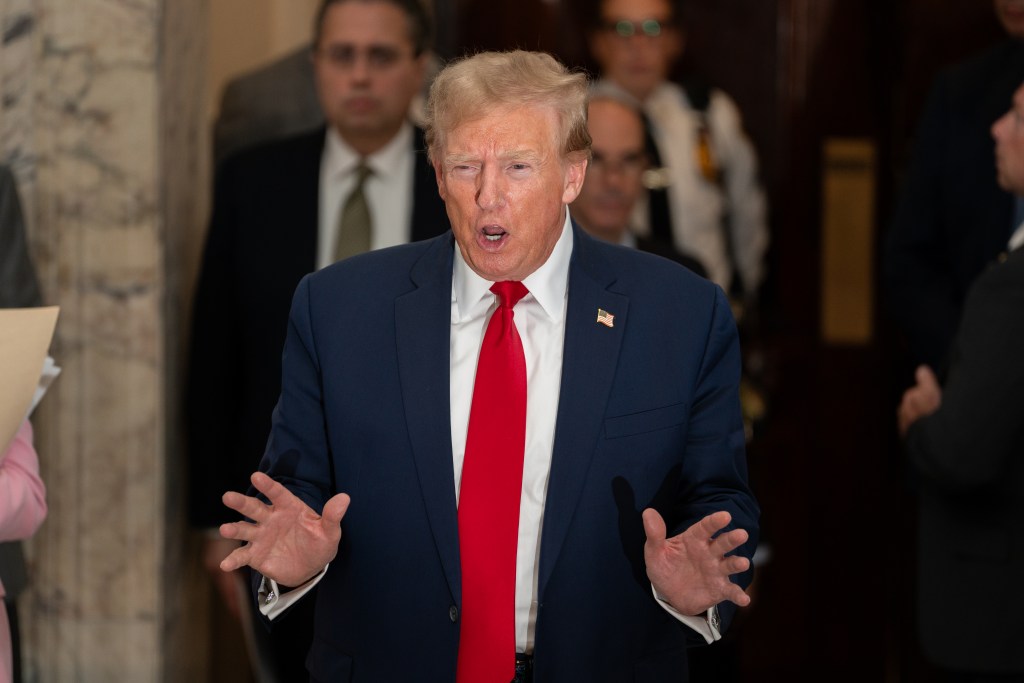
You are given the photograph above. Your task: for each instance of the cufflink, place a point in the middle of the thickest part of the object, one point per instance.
(714, 619)
(271, 596)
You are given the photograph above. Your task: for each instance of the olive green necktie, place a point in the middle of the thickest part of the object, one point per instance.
(355, 223)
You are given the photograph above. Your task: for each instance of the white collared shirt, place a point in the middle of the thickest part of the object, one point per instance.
(388, 191)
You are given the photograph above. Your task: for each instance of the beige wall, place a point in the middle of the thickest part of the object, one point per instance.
(244, 34)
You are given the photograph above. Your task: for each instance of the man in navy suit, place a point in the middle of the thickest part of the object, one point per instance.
(635, 521)
(276, 217)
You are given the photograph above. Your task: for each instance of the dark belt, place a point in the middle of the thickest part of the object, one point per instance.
(524, 669)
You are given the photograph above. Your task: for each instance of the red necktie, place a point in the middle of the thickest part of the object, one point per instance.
(492, 482)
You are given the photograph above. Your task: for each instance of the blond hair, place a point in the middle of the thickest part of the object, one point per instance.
(475, 86)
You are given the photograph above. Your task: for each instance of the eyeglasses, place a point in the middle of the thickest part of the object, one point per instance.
(631, 164)
(625, 29)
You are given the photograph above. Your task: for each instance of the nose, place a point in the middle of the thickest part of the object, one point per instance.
(490, 192)
(360, 70)
(999, 125)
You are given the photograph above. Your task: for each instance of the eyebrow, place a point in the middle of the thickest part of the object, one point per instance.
(512, 155)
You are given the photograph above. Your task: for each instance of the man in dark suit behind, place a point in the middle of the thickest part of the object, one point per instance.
(632, 522)
(966, 441)
(952, 218)
(277, 210)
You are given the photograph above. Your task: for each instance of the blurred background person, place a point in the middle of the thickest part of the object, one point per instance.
(614, 185)
(282, 210)
(705, 196)
(965, 439)
(952, 217)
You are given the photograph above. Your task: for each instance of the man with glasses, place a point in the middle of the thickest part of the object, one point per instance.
(614, 181)
(705, 198)
(287, 208)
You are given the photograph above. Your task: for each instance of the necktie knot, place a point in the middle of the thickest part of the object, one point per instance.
(509, 292)
(362, 172)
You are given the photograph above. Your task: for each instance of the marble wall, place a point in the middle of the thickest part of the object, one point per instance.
(101, 102)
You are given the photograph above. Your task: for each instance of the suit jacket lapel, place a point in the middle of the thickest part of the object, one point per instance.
(423, 329)
(588, 367)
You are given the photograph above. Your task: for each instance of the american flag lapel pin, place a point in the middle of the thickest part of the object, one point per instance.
(605, 318)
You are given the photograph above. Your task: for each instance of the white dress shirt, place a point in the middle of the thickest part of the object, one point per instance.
(388, 191)
(540, 320)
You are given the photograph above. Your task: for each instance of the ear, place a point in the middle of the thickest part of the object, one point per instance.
(575, 172)
(442, 189)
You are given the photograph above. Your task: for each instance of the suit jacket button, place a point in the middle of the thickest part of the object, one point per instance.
(453, 613)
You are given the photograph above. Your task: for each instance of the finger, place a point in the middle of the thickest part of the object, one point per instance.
(727, 542)
(737, 596)
(250, 507)
(926, 377)
(237, 559)
(239, 531)
(335, 509)
(275, 492)
(736, 564)
(706, 528)
(654, 526)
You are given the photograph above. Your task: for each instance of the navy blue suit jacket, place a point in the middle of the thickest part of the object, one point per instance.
(648, 416)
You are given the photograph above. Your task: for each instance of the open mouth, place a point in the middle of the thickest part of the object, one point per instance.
(493, 234)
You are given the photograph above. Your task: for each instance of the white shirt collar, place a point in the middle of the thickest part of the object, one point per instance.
(340, 159)
(1017, 238)
(547, 284)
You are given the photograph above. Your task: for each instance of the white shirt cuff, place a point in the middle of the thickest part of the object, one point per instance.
(273, 604)
(707, 625)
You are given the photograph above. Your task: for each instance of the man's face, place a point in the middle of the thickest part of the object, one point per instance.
(636, 45)
(505, 184)
(1011, 16)
(366, 71)
(614, 178)
(1008, 132)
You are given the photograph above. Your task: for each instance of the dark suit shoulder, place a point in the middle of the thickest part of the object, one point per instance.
(281, 155)
(383, 274)
(639, 274)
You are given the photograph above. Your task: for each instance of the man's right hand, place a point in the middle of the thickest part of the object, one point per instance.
(286, 540)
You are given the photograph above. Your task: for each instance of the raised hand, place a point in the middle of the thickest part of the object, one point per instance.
(920, 400)
(691, 570)
(286, 540)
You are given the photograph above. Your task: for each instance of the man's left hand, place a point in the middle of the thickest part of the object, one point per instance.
(691, 570)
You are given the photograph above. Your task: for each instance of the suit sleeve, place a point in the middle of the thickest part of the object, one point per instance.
(714, 474)
(298, 454)
(967, 444)
(22, 493)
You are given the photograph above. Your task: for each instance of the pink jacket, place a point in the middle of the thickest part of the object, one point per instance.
(22, 493)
